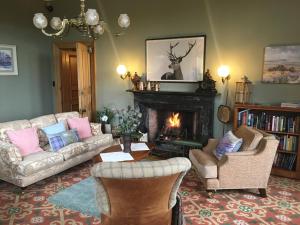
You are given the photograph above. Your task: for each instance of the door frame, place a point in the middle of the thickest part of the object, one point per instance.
(57, 67)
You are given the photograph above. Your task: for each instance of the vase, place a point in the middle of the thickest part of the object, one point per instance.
(127, 142)
(108, 128)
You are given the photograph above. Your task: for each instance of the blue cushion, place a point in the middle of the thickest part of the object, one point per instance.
(229, 143)
(54, 129)
(62, 139)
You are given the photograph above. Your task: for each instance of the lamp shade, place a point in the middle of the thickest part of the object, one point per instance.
(223, 71)
(56, 23)
(124, 21)
(40, 21)
(91, 17)
(121, 70)
(99, 29)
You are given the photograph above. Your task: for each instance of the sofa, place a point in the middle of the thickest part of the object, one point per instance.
(24, 171)
(249, 168)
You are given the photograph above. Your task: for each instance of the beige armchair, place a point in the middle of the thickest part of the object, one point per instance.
(247, 169)
(139, 193)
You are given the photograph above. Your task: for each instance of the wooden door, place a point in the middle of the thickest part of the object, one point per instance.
(69, 81)
(84, 80)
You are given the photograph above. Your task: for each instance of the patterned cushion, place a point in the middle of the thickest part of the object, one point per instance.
(14, 125)
(64, 116)
(72, 150)
(251, 137)
(41, 122)
(38, 161)
(229, 143)
(98, 141)
(59, 140)
(96, 129)
(9, 153)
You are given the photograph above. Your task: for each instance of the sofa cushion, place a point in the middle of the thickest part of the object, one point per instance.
(205, 163)
(38, 161)
(72, 150)
(62, 139)
(82, 125)
(96, 128)
(250, 136)
(40, 123)
(98, 141)
(13, 125)
(62, 117)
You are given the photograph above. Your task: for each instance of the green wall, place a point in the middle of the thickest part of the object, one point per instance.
(29, 94)
(237, 32)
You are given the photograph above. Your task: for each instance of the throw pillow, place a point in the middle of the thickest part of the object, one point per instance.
(229, 143)
(82, 125)
(62, 139)
(26, 140)
(54, 129)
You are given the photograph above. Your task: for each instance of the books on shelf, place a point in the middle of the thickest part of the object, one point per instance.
(285, 161)
(290, 105)
(288, 143)
(268, 122)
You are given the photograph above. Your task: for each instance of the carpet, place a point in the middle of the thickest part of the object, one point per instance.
(233, 207)
(79, 197)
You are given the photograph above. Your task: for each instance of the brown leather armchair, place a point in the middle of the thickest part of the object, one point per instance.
(139, 193)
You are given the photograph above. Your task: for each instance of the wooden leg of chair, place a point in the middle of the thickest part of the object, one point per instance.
(210, 193)
(263, 192)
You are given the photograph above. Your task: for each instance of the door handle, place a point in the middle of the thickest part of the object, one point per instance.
(81, 111)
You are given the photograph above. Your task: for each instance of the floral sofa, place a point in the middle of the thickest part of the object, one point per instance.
(23, 171)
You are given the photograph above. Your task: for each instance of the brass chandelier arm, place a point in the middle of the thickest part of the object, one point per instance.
(64, 24)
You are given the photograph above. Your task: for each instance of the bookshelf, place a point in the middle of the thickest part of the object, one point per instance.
(284, 123)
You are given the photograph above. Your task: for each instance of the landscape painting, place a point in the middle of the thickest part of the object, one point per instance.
(282, 65)
(175, 59)
(8, 60)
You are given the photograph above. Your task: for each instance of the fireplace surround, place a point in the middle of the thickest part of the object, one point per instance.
(194, 111)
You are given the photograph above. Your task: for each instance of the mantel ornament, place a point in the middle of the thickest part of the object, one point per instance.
(207, 85)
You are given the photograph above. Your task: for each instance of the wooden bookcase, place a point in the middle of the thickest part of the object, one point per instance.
(260, 116)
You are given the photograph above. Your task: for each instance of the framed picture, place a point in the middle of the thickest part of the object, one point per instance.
(175, 59)
(282, 65)
(8, 60)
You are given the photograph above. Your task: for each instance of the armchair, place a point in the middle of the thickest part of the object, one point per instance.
(247, 169)
(139, 193)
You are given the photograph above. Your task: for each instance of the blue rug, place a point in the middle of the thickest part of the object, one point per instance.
(79, 197)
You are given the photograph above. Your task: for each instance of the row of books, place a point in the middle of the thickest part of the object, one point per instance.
(288, 143)
(285, 161)
(268, 122)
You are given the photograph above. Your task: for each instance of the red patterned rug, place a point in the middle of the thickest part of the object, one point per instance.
(226, 207)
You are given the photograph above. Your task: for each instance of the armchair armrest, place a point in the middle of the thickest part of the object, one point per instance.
(9, 154)
(96, 129)
(211, 145)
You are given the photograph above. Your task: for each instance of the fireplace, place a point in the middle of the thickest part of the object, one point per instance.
(176, 121)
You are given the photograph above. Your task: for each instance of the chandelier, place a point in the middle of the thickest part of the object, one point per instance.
(87, 22)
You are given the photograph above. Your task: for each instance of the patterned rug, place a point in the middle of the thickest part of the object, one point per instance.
(226, 207)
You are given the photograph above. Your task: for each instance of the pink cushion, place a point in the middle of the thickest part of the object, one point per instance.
(26, 140)
(82, 125)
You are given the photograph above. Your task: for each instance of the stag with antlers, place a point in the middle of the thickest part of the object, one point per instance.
(175, 63)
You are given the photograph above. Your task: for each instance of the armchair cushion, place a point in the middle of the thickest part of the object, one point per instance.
(251, 137)
(205, 163)
(229, 143)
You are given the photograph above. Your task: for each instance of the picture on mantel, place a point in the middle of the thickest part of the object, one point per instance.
(282, 64)
(175, 59)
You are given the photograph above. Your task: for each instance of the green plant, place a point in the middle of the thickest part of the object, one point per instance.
(106, 115)
(129, 119)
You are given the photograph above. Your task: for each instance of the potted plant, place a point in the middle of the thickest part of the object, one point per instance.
(105, 117)
(128, 122)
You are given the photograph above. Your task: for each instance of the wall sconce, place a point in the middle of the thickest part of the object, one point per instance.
(122, 71)
(224, 73)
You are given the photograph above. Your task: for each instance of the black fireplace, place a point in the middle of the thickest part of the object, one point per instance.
(176, 121)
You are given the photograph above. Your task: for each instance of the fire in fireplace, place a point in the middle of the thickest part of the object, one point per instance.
(171, 130)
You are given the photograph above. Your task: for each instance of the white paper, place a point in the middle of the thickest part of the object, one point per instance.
(137, 147)
(115, 156)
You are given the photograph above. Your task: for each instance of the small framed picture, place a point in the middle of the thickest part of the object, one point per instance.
(8, 60)
(282, 64)
(179, 59)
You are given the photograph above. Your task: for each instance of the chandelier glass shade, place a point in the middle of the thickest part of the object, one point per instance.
(87, 22)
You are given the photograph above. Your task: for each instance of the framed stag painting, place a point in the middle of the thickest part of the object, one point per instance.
(175, 59)
(8, 60)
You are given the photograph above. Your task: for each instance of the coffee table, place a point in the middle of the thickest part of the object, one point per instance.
(136, 155)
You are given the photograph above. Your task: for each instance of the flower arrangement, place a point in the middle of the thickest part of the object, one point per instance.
(106, 116)
(129, 120)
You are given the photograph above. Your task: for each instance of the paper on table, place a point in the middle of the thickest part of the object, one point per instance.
(115, 156)
(137, 147)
